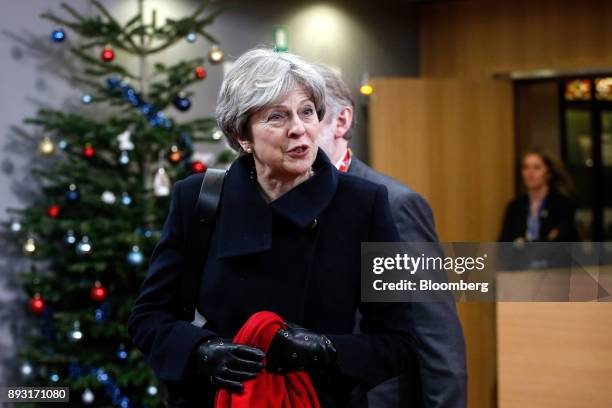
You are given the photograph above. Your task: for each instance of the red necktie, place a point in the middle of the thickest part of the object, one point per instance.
(346, 162)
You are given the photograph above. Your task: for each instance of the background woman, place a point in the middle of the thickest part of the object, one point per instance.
(544, 212)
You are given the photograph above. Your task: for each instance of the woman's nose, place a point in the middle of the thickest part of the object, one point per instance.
(296, 127)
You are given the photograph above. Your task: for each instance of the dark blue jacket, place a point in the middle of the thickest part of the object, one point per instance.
(556, 219)
(298, 256)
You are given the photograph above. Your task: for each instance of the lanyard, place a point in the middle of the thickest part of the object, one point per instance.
(533, 222)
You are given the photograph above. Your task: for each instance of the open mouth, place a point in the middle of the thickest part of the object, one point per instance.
(298, 150)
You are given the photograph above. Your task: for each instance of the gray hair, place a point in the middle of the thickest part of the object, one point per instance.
(338, 95)
(260, 78)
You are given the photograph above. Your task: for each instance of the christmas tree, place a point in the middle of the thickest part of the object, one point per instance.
(104, 190)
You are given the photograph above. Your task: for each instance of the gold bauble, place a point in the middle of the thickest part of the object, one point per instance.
(215, 54)
(174, 154)
(30, 246)
(46, 147)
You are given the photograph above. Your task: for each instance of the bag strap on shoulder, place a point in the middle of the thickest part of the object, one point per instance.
(199, 235)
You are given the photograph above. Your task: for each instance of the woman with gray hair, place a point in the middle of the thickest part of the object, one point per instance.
(287, 240)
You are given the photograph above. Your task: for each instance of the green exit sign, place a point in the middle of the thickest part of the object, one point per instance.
(281, 38)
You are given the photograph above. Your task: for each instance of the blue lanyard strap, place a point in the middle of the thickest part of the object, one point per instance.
(533, 222)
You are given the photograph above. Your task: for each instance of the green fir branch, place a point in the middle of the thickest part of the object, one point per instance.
(72, 12)
(105, 12)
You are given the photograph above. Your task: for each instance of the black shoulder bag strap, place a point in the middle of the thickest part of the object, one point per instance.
(198, 235)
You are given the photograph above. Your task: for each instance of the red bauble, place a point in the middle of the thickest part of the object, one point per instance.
(88, 151)
(37, 304)
(107, 54)
(198, 167)
(98, 292)
(53, 211)
(200, 73)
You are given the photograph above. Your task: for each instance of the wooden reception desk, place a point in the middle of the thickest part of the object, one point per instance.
(555, 355)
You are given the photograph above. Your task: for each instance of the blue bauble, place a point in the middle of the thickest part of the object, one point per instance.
(70, 239)
(99, 314)
(159, 119)
(124, 158)
(191, 37)
(182, 103)
(122, 354)
(135, 257)
(129, 94)
(102, 376)
(112, 82)
(72, 194)
(146, 108)
(58, 35)
(86, 99)
(134, 100)
(126, 199)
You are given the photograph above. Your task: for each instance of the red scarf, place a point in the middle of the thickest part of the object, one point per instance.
(268, 390)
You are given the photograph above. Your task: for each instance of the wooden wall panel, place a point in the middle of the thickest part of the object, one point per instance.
(477, 38)
(451, 141)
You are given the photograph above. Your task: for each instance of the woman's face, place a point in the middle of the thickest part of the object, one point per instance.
(534, 171)
(284, 136)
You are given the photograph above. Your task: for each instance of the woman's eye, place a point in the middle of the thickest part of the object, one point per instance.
(308, 111)
(275, 116)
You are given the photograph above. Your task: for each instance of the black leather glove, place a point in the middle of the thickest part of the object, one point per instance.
(299, 349)
(226, 365)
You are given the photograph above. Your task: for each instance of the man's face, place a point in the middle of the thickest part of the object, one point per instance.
(326, 140)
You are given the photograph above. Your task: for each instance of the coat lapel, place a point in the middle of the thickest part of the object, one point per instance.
(245, 219)
(307, 201)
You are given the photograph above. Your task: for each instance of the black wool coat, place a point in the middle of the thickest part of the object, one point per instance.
(298, 256)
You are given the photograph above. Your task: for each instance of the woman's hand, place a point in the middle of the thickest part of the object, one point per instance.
(299, 349)
(226, 365)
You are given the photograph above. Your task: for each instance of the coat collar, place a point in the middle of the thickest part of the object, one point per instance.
(245, 219)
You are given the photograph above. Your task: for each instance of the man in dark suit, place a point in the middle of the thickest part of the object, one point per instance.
(440, 379)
